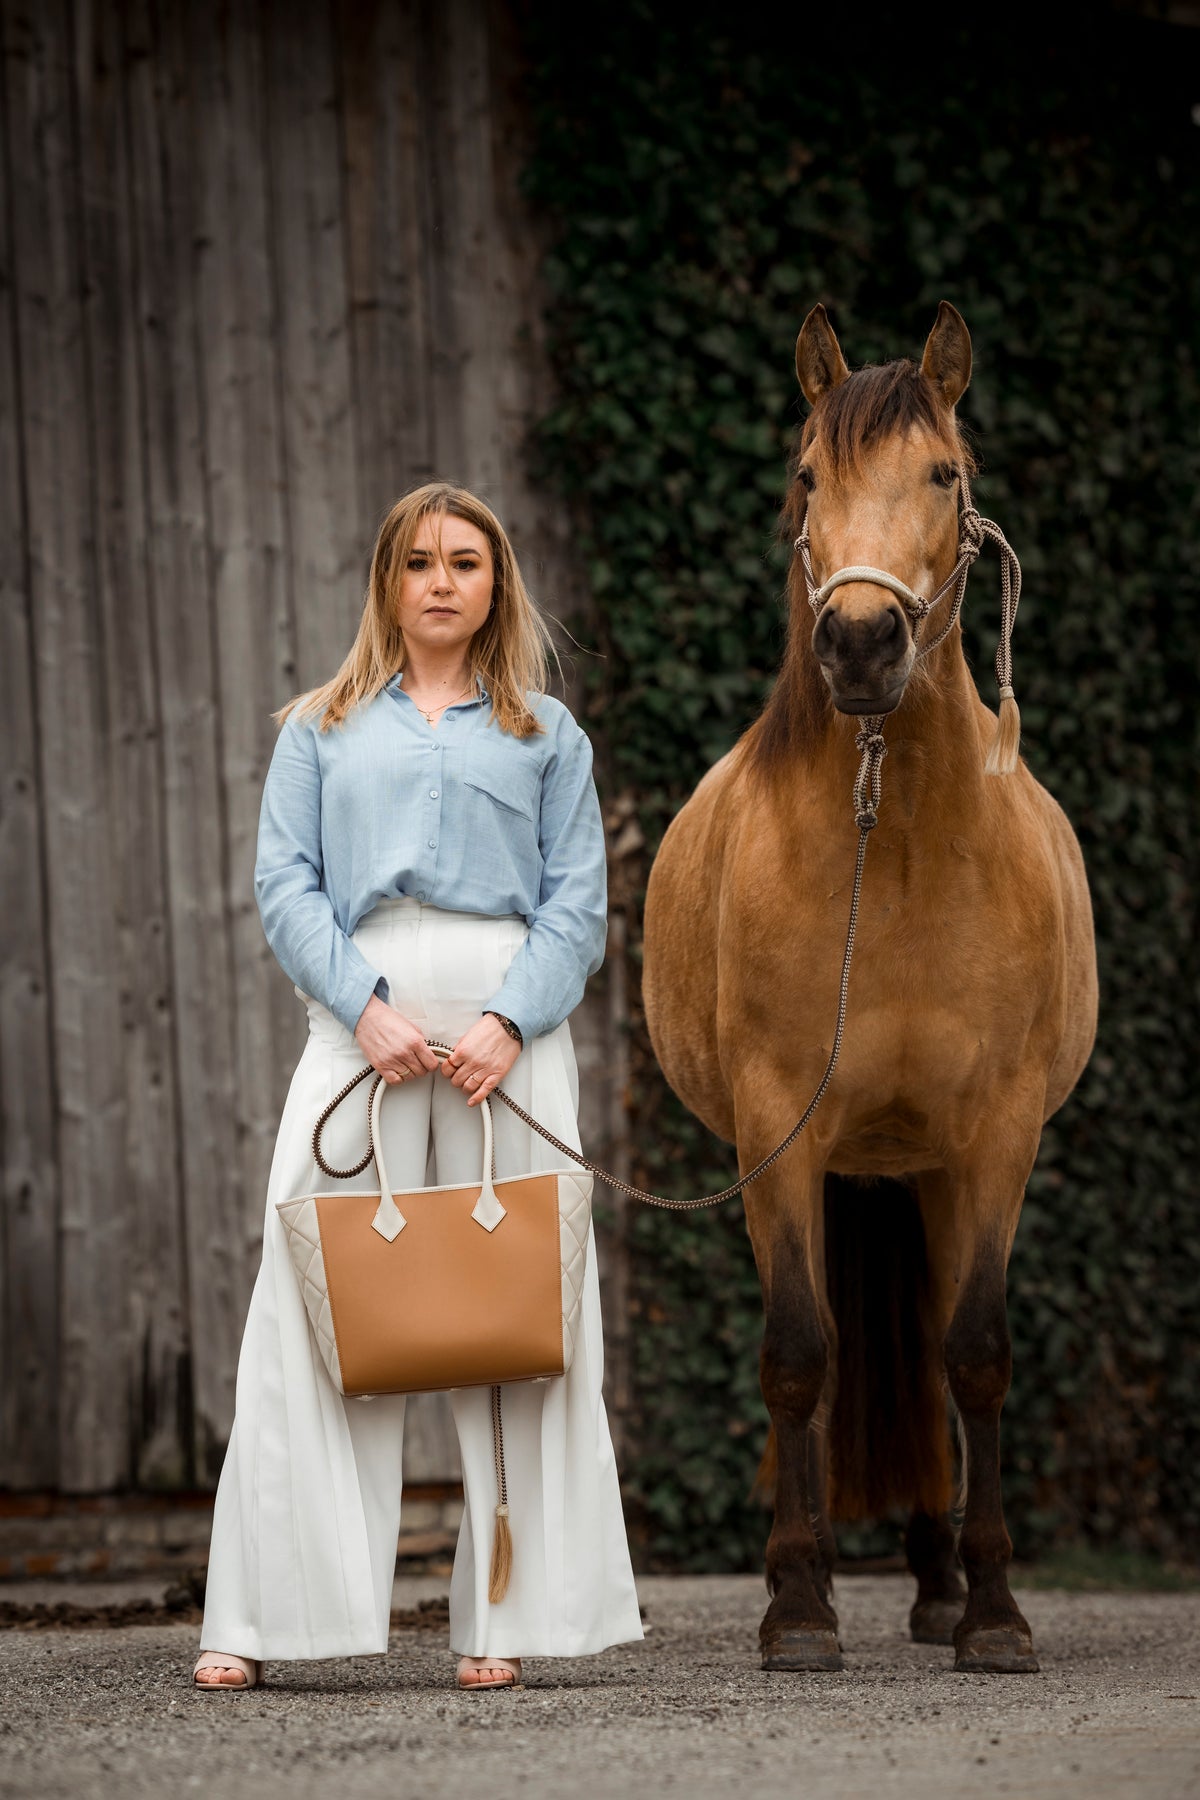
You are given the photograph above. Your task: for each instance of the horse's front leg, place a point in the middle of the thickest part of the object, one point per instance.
(992, 1636)
(784, 1213)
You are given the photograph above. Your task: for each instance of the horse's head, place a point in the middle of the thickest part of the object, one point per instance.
(876, 487)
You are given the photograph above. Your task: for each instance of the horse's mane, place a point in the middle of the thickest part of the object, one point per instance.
(868, 406)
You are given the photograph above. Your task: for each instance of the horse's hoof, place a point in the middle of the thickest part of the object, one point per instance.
(999, 1651)
(800, 1650)
(933, 1621)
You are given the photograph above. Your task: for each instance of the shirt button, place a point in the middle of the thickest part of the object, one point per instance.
(433, 793)
(433, 843)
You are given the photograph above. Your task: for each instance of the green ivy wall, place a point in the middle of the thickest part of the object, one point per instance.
(706, 182)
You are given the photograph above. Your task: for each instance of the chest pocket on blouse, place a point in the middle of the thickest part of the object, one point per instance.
(507, 773)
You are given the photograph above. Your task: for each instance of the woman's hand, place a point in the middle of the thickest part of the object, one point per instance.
(391, 1043)
(481, 1058)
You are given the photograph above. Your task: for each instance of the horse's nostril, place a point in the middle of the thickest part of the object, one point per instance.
(829, 633)
(888, 627)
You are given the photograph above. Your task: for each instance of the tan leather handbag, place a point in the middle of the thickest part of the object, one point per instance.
(443, 1287)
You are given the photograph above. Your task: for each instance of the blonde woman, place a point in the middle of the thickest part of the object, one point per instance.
(430, 866)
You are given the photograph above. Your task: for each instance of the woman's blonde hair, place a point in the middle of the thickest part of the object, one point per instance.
(510, 652)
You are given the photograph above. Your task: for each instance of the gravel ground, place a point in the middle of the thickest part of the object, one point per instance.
(1116, 1711)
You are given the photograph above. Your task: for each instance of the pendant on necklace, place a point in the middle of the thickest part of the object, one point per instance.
(428, 716)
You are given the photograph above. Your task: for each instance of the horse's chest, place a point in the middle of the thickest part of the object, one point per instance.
(939, 1002)
(912, 956)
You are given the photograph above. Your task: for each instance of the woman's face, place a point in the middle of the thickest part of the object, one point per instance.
(446, 591)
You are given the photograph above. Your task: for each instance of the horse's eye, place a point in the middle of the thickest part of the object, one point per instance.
(807, 478)
(945, 475)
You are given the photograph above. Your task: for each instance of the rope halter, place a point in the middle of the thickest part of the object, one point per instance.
(973, 532)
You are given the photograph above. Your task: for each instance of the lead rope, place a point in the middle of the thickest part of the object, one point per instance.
(871, 743)
(868, 787)
(873, 751)
(974, 531)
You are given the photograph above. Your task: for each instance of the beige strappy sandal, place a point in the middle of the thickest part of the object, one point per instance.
(219, 1659)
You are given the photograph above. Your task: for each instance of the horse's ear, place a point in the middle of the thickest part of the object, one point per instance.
(820, 364)
(947, 358)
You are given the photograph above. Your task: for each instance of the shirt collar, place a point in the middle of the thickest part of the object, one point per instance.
(393, 687)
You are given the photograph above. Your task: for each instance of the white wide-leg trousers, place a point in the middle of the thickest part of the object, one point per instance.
(309, 1501)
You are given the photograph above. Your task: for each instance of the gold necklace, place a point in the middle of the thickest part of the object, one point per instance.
(428, 716)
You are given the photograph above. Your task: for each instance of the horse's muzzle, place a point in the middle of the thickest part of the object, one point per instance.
(866, 662)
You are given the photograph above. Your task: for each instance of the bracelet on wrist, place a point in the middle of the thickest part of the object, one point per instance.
(512, 1030)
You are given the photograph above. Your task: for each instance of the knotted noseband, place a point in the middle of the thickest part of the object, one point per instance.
(973, 532)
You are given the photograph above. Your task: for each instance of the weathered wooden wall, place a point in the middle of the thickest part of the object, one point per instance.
(262, 268)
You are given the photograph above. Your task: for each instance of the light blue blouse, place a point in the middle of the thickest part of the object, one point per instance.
(466, 817)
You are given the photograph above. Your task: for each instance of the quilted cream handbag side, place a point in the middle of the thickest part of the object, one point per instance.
(574, 1224)
(303, 1232)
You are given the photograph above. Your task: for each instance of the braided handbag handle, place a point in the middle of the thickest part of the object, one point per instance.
(318, 1128)
(328, 1168)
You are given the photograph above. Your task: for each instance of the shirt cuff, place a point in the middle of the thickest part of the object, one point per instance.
(352, 998)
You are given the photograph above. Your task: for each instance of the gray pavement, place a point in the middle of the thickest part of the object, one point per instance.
(1115, 1712)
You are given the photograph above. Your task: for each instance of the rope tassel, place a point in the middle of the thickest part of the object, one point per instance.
(501, 1570)
(1002, 757)
(502, 1545)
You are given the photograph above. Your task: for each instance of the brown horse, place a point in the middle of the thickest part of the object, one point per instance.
(882, 1237)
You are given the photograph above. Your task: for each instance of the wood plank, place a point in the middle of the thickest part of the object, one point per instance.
(451, 366)
(327, 546)
(316, 450)
(155, 1300)
(71, 709)
(180, 558)
(246, 480)
(543, 538)
(408, 416)
(541, 529)
(382, 122)
(460, 245)
(29, 1392)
